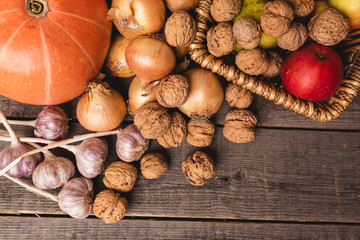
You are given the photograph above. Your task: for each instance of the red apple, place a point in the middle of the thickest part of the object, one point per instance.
(313, 73)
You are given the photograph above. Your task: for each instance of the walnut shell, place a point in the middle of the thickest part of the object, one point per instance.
(198, 168)
(172, 91)
(239, 126)
(225, 10)
(152, 120)
(302, 8)
(253, 62)
(176, 133)
(109, 206)
(120, 176)
(329, 27)
(274, 66)
(247, 32)
(238, 97)
(153, 165)
(220, 39)
(276, 17)
(180, 29)
(200, 133)
(294, 38)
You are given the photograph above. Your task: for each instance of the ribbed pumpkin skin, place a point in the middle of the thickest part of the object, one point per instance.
(49, 60)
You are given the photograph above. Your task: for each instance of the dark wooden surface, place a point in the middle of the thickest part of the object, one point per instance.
(297, 179)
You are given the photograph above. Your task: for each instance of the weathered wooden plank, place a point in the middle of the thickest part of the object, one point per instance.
(48, 228)
(270, 115)
(282, 175)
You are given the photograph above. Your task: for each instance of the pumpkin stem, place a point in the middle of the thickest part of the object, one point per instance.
(37, 8)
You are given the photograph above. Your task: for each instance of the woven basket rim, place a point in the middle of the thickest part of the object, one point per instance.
(323, 112)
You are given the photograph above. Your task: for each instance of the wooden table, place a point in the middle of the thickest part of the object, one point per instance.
(297, 179)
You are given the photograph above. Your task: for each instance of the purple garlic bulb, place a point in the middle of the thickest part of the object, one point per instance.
(90, 156)
(26, 166)
(130, 144)
(76, 197)
(52, 123)
(53, 172)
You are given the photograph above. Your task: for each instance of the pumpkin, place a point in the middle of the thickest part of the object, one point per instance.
(50, 49)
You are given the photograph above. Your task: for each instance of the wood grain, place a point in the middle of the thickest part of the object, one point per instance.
(62, 228)
(281, 175)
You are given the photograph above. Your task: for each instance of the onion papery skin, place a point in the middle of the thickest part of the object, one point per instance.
(139, 96)
(116, 63)
(150, 59)
(48, 60)
(205, 96)
(178, 5)
(137, 17)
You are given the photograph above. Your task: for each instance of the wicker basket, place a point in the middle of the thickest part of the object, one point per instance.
(322, 112)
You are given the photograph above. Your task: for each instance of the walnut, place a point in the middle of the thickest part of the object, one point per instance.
(220, 39)
(180, 29)
(109, 206)
(239, 126)
(198, 168)
(153, 165)
(276, 17)
(302, 8)
(274, 66)
(200, 133)
(253, 62)
(173, 91)
(294, 38)
(176, 133)
(152, 120)
(120, 176)
(247, 32)
(225, 10)
(238, 97)
(329, 27)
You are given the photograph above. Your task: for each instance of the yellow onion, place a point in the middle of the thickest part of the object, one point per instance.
(115, 61)
(150, 59)
(137, 17)
(138, 96)
(177, 5)
(101, 108)
(205, 96)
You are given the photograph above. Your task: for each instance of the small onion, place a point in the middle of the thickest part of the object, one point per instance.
(76, 197)
(130, 144)
(137, 17)
(177, 5)
(115, 61)
(138, 96)
(205, 96)
(53, 172)
(101, 108)
(150, 59)
(90, 156)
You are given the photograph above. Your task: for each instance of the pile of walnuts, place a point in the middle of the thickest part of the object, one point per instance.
(291, 22)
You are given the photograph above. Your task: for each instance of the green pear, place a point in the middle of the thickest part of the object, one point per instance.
(251, 8)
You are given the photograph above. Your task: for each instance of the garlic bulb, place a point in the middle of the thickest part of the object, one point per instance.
(52, 123)
(53, 172)
(90, 156)
(76, 197)
(130, 144)
(26, 166)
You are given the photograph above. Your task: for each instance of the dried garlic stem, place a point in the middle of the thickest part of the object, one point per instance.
(30, 123)
(59, 144)
(13, 136)
(33, 189)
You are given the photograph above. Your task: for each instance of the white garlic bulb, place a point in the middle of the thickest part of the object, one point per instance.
(53, 172)
(76, 197)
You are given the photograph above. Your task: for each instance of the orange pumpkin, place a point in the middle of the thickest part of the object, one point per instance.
(50, 49)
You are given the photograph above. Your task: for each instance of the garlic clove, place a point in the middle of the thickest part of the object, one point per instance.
(26, 166)
(53, 172)
(90, 156)
(130, 144)
(76, 197)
